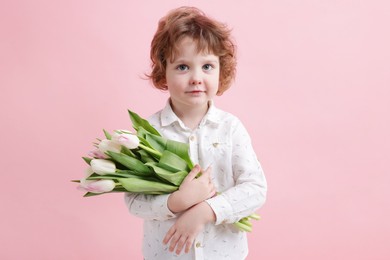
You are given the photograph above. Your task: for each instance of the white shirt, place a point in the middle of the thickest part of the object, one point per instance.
(220, 140)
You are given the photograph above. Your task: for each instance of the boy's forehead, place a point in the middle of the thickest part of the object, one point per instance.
(188, 45)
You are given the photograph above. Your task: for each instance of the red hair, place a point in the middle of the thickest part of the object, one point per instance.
(211, 37)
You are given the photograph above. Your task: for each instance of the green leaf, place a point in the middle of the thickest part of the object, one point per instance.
(145, 156)
(107, 134)
(141, 132)
(87, 160)
(157, 142)
(173, 162)
(175, 178)
(146, 187)
(181, 149)
(90, 194)
(113, 176)
(130, 162)
(143, 141)
(128, 152)
(145, 145)
(130, 173)
(140, 122)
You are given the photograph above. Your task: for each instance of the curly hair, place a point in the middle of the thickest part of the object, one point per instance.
(211, 37)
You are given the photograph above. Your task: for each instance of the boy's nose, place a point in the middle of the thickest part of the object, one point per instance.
(195, 82)
(196, 77)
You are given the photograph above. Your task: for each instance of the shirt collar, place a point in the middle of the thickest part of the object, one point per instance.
(168, 117)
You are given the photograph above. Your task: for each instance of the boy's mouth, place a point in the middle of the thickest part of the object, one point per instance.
(195, 91)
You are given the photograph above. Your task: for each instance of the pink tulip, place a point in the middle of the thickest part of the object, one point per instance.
(98, 186)
(126, 138)
(109, 145)
(97, 154)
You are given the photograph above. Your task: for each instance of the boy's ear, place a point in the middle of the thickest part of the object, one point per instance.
(164, 86)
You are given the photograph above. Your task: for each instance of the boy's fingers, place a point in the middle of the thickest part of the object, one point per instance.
(180, 244)
(189, 242)
(192, 174)
(206, 173)
(174, 240)
(168, 236)
(212, 193)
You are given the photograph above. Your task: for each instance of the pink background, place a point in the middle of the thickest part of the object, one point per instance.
(312, 89)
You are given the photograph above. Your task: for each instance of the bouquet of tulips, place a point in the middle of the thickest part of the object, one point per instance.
(142, 162)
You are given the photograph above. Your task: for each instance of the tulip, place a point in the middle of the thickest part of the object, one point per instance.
(126, 138)
(97, 154)
(88, 172)
(108, 145)
(101, 166)
(99, 186)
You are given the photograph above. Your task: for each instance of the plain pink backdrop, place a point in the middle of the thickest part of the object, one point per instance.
(312, 89)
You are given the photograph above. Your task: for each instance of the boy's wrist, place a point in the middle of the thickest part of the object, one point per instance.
(206, 212)
(176, 204)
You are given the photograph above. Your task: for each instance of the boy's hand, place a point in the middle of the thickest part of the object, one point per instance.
(188, 226)
(192, 190)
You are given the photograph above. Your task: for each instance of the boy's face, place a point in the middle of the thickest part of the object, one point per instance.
(192, 78)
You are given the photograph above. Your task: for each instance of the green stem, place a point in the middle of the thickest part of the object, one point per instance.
(254, 216)
(150, 150)
(243, 227)
(246, 222)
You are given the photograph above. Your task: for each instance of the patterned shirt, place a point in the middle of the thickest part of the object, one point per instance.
(222, 141)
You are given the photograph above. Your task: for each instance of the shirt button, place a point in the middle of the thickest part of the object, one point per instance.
(192, 138)
(198, 244)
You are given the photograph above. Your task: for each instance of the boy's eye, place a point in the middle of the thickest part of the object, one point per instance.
(208, 67)
(182, 67)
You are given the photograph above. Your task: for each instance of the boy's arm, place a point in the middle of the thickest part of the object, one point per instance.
(150, 207)
(249, 192)
(162, 207)
(192, 190)
(187, 227)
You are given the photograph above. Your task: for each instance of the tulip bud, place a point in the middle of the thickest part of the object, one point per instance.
(126, 138)
(97, 154)
(88, 172)
(108, 145)
(99, 186)
(101, 166)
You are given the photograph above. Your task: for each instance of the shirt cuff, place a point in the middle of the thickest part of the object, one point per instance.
(161, 205)
(221, 208)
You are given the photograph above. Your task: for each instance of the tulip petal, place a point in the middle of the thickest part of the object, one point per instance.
(109, 145)
(99, 186)
(102, 166)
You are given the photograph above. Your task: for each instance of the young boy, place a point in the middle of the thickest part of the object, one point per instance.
(194, 59)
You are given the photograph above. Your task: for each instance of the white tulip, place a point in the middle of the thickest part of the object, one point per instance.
(88, 172)
(101, 166)
(99, 186)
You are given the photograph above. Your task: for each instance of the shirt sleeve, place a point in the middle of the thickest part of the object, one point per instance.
(149, 207)
(249, 192)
